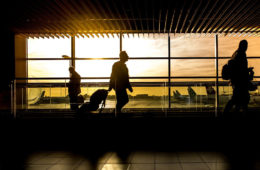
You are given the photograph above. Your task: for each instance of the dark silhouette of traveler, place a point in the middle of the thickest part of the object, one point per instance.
(241, 77)
(74, 88)
(210, 90)
(119, 81)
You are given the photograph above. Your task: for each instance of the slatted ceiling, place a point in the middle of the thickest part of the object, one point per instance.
(193, 16)
(242, 27)
(214, 16)
(206, 18)
(73, 15)
(172, 19)
(186, 16)
(90, 17)
(179, 18)
(232, 18)
(116, 14)
(165, 22)
(219, 18)
(104, 14)
(198, 18)
(247, 20)
(125, 16)
(239, 18)
(131, 13)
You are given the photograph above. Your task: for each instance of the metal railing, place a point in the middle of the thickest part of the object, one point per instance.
(199, 102)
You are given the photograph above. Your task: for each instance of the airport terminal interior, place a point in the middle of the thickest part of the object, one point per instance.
(175, 117)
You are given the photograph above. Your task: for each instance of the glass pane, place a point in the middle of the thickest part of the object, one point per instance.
(47, 98)
(49, 68)
(148, 97)
(49, 48)
(225, 92)
(103, 68)
(53, 97)
(94, 68)
(228, 45)
(20, 96)
(151, 68)
(193, 67)
(193, 96)
(142, 97)
(97, 47)
(255, 63)
(146, 45)
(192, 46)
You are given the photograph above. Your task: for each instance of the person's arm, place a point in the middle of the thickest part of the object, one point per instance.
(251, 73)
(129, 86)
(112, 79)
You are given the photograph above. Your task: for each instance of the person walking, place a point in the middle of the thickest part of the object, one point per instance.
(119, 81)
(241, 77)
(74, 88)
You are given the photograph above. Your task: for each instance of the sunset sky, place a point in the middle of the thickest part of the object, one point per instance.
(142, 46)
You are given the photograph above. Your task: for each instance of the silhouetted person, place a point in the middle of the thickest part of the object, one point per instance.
(240, 79)
(119, 81)
(74, 88)
(210, 90)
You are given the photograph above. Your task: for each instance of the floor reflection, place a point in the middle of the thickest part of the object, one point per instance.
(127, 161)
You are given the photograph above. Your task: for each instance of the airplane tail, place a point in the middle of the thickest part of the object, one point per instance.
(191, 92)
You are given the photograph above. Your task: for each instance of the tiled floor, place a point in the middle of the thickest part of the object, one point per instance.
(133, 161)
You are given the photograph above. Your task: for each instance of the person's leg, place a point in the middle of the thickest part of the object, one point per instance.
(245, 103)
(228, 107)
(122, 99)
(230, 104)
(73, 102)
(242, 98)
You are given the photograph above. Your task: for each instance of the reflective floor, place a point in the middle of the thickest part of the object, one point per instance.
(127, 143)
(130, 161)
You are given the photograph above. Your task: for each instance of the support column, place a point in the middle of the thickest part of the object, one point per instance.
(169, 71)
(121, 41)
(72, 51)
(21, 72)
(217, 76)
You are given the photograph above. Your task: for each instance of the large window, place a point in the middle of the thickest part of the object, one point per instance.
(191, 64)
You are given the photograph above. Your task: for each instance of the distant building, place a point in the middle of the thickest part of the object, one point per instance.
(142, 96)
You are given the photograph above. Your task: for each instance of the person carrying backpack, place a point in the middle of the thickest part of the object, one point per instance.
(240, 78)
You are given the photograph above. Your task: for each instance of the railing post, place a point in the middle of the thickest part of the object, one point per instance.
(14, 100)
(217, 76)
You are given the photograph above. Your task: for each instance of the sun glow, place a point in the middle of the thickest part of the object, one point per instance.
(136, 46)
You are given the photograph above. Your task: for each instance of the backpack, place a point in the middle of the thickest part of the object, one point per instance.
(226, 72)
